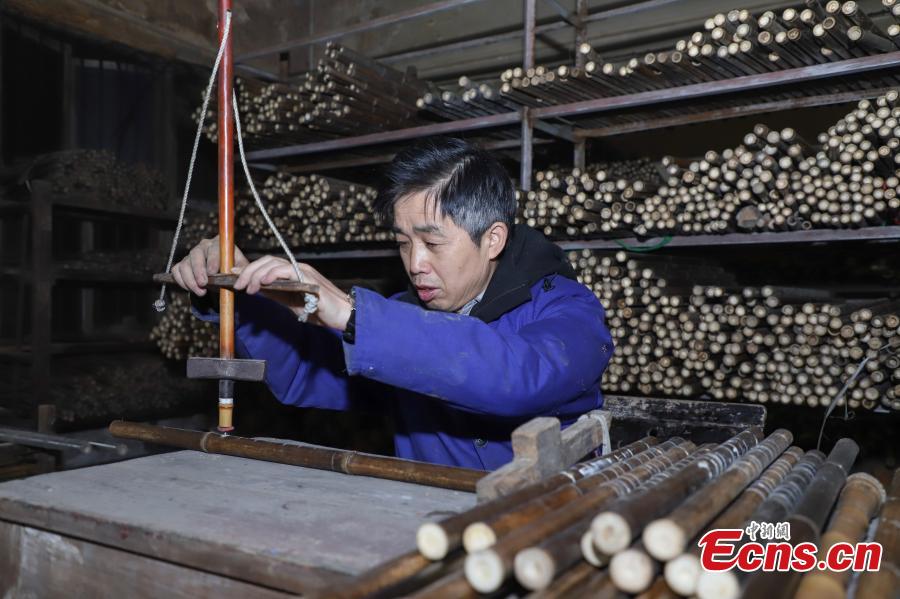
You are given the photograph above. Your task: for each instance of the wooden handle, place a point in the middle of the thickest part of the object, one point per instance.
(226, 281)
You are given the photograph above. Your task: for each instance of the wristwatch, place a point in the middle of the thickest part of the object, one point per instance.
(350, 329)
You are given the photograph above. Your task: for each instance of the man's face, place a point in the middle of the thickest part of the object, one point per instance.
(442, 262)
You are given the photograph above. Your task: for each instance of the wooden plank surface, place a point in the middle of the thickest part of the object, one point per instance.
(285, 527)
(37, 563)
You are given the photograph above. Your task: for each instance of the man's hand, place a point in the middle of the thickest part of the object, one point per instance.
(334, 305)
(203, 260)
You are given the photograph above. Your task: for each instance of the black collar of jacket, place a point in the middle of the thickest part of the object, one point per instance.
(527, 258)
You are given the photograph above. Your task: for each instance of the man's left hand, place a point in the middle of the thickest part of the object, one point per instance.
(334, 305)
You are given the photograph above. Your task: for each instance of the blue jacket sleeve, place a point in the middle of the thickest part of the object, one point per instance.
(304, 363)
(552, 359)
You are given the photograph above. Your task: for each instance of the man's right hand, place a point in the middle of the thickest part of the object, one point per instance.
(203, 260)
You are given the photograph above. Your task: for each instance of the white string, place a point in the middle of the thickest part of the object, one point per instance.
(843, 391)
(160, 304)
(310, 300)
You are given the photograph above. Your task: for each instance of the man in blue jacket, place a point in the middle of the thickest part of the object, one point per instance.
(493, 331)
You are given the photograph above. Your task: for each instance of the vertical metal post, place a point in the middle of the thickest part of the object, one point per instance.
(578, 154)
(528, 8)
(41, 290)
(2, 22)
(581, 13)
(284, 66)
(167, 154)
(69, 105)
(527, 139)
(86, 245)
(528, 50)
(226, 215)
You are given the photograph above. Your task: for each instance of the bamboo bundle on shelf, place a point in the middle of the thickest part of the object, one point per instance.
(548, 537)
(346, 94)
(309, 210)
(130, 385)
(684, 328)
(732, 44)
(99, 175)
(774, 181)
(180, 335)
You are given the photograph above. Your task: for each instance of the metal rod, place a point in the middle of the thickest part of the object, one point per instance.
(308, 456)
(226, 213)
(527, 150)
(55, 442)
(528, 10)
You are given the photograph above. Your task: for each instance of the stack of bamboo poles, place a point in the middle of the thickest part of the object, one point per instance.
(730, 45)
(774, 181)
(180, 335)
(601, 199)
(132, 385)
(309, 210)
(469, 100)
(96, 173)
(346, 94)
(198, 225)
(685, 328)
(628, 522)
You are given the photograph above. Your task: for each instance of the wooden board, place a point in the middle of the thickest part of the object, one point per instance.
(283, 527)
(37, 563)
(699, 421)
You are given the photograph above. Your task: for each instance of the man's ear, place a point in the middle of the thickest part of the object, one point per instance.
(496, 237)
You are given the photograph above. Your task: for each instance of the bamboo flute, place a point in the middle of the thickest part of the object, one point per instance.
(859, 502)
(486, 570)
(775, 508)
(683, 572)
(807, 520)
(615, 528)
(668, 537)
(483, 533)
(436, 539)
(884, 583)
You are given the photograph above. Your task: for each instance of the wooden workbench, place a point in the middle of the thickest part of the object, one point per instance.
(189, 524)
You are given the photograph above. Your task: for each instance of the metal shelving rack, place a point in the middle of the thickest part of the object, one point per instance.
(43, 272)
(551, 119)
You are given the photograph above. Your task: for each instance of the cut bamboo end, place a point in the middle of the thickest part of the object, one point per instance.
(534, 569)
(611, 532)
(664, 539)
(589, 551)
(718, 585)
(632, 570)
(432, 541)
(478, 536)
(821, 585)
(484, 571)
(682, 574)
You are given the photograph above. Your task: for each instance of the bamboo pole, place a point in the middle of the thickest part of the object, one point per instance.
(615, 528)
(483, 533)
(683, 572)
(436, 539)
(885, 582)
(859, 502)
(668, 537)
(309, 456)
(487, 570)
(807, 520)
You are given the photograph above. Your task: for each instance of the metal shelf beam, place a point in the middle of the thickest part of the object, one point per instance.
(843, 68)
(879, 234)
(798, 237)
